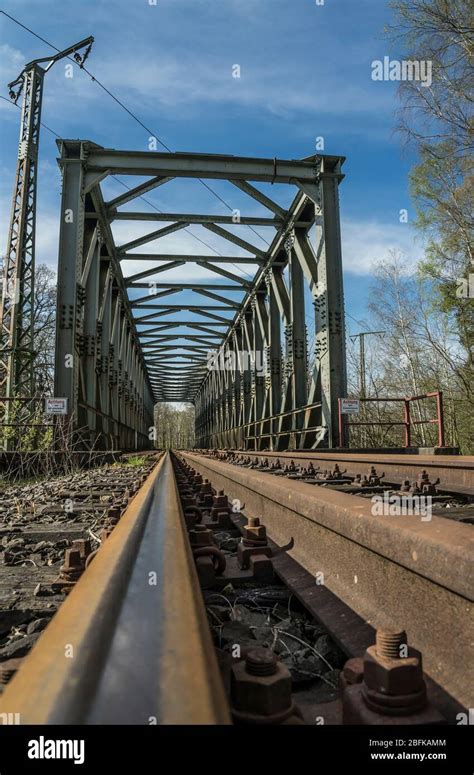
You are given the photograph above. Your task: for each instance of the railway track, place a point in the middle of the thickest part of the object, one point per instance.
(197, 589)
(455, 473)
(49, 530)
(387, 570)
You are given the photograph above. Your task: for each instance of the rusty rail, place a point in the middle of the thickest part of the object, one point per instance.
(392, 571)
(131, 644)
(455, 470)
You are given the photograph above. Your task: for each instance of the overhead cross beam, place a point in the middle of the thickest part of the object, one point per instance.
(190, 259)
(187, 219)
(201, 165)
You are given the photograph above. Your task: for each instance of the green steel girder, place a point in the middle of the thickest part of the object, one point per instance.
(148, 357)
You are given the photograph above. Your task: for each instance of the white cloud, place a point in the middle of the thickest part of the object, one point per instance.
(148, 80)
(367, 242)
(11, 63)
(174, 82)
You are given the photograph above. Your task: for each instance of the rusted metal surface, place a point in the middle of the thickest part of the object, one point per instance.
(456, 470)
(261, 690)
(349, 631)
(392, 571)
(42, 526)
(131, 644)
(250, 609)
(391, 688)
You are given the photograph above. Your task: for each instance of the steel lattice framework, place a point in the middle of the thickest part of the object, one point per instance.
(16, 311)
(17, 307)
(118, 352)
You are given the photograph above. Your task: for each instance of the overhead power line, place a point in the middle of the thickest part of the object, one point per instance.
(144, 199)
(131, 114)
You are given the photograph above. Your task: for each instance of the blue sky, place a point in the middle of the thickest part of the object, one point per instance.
(305, 73)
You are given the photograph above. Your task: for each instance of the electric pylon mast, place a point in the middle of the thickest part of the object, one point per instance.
(17, 304)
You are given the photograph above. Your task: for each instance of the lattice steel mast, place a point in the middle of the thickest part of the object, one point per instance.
(17, 304)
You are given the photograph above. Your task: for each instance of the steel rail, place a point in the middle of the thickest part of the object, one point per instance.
(135, 628)
(456, 470)
(392, 571)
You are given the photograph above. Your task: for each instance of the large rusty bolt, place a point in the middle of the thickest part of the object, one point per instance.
(205, 496)
(84, 547)
(206, 487)
(389, 643)
(254, 530)
(221, 500)
(261, 687)
(220, 511)
(73, 566)
(197, 482)
(393, 669)
(201, 536)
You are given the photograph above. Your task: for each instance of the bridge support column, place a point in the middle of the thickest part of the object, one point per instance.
(330, 326)
(99, 367)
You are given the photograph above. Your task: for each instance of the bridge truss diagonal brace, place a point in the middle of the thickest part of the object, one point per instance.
(286, 407)
(99, 364)
(269, 401)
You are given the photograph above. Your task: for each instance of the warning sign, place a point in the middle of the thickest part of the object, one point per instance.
(56, 406)
(350, 406)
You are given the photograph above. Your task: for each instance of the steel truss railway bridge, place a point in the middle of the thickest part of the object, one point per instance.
(122, 344)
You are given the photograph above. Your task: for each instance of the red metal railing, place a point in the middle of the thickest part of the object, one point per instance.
(407, 422)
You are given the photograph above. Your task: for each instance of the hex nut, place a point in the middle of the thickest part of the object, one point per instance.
(259, 533)
(260, 695)
(393, 676)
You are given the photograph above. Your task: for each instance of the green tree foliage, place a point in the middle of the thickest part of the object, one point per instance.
(437, 122)
(174, 426)
(25, 431)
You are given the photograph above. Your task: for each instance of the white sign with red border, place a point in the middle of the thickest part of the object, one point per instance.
(350, 406)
